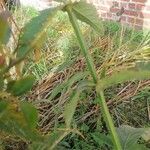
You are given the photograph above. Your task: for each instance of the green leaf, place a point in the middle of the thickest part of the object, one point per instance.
(21, 86)
(129, 137)
(71, 107)
(146, 135)
(33, 34)
(30, 114)
(68, 83)
(121, 77)
(4, 29)
(14, 122)
(12, 127)
(3, 106)
(102, 139)
(37, 146)
(72, 104)
(88, 14)
(55, 137)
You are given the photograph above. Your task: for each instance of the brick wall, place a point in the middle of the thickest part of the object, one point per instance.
(134, 13)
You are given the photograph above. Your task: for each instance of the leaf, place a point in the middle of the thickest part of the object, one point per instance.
(4, 28)
(3, 106)
(102, 139)
(33, 34)
(146, 135)
(88, 14)
(30, 114)
(21, 86)
(55, 137)
(14, 122)
(129, 136)
(121, 77)
(68, 83)
(37, 146)
(12, 127)
(71, 107)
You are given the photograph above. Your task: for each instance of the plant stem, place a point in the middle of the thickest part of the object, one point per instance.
(92, 70)
(108, 120)
(82, 44)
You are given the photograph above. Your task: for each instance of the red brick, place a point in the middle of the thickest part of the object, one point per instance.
(131, 20)
(135, 21)
(114, 10)
(138, 27)
(140, 1)
(140, 6)
(139, 21)
(132, 6)
(131, 13)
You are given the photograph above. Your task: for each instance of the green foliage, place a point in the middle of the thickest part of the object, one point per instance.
(4, 30)
(33, 34)
(71, 107)
(19, 118)
(30, 114)
(129, 137)
(87, 13)
(122, 77)
(3, 106)
(21, 86)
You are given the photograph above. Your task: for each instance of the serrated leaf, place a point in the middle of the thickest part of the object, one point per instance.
(30, 114)
(21, 86)
(71, 107)
(122, 77)
(87, 13)
(33, 34)
(129, 136)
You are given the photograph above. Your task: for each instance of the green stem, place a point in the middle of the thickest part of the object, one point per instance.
(82, 43)
(92, 70)
(109, 120)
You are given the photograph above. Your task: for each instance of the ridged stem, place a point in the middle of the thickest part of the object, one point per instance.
(92, 70)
